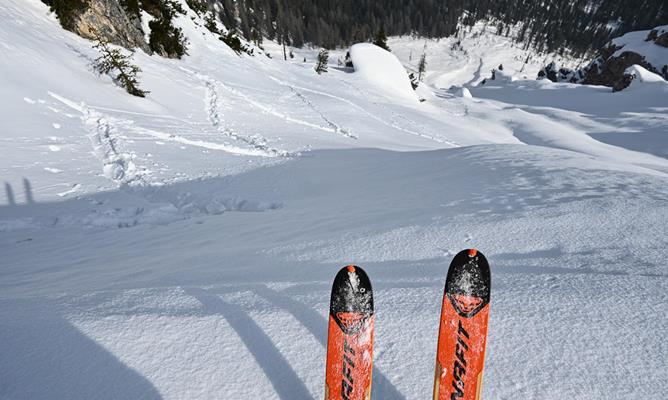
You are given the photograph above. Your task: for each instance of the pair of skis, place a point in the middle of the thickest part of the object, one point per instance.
(462, 332)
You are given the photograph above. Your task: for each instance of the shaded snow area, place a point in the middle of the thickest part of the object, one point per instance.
(183, 246)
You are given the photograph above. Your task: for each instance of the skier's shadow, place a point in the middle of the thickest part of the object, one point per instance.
(382, 387)
(317, 326)
(282, 376)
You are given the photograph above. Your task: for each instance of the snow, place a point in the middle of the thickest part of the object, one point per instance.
(184, 245)
(641, 75)
(382, 69)
(470, 57)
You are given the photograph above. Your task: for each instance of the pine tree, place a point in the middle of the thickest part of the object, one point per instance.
(348, 61)
(381, 39)
(232, 40)
(422, 66)
(113, 62)
(323, 58)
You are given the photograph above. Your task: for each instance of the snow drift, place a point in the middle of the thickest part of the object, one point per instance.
(382, 69)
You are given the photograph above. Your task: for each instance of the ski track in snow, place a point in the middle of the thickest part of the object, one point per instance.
(121, 167)
(362, 109)
(212, 109)
(396, 116)
(334, 126)
(118, 166)
(305, 100)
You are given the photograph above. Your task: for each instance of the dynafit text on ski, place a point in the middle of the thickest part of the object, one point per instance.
(462, 335)
(350, 337)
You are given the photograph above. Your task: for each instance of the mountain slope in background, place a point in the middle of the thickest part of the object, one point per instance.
(183, 245)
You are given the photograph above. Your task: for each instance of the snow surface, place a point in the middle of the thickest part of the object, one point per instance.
(183, 246)
(641, 75)
(470, 57)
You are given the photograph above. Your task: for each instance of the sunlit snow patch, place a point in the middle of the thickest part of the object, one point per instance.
(382, 69)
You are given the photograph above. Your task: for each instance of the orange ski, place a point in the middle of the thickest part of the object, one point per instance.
(350, 337)
(463, 329)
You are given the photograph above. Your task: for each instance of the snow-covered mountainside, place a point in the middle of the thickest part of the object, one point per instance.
(182, 246)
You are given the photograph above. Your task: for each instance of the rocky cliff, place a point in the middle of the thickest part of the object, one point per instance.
(648, 49)
(119, 22)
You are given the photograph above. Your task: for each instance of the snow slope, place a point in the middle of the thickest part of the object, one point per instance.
(182, 246)
(470, 57)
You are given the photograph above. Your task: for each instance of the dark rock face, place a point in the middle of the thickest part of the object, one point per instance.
(608, 69)
(108, 20)
(662, 40)
(119, 22)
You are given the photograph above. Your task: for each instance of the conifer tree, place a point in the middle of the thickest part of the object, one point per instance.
(118, 65)
(381, 39)
(422, 66)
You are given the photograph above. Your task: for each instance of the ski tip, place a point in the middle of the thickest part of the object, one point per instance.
(351, 291)
(468, 282)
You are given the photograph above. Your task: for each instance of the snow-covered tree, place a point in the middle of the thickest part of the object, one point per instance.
(321, 63)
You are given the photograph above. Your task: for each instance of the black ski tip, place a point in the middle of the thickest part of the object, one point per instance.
(351, 292)
(468, 276)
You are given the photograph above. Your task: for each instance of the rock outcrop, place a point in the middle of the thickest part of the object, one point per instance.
(108, 20)
(647, 49)
(119, 22)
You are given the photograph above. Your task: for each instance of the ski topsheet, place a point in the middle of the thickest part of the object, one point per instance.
(350, 337)
(463, 328)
